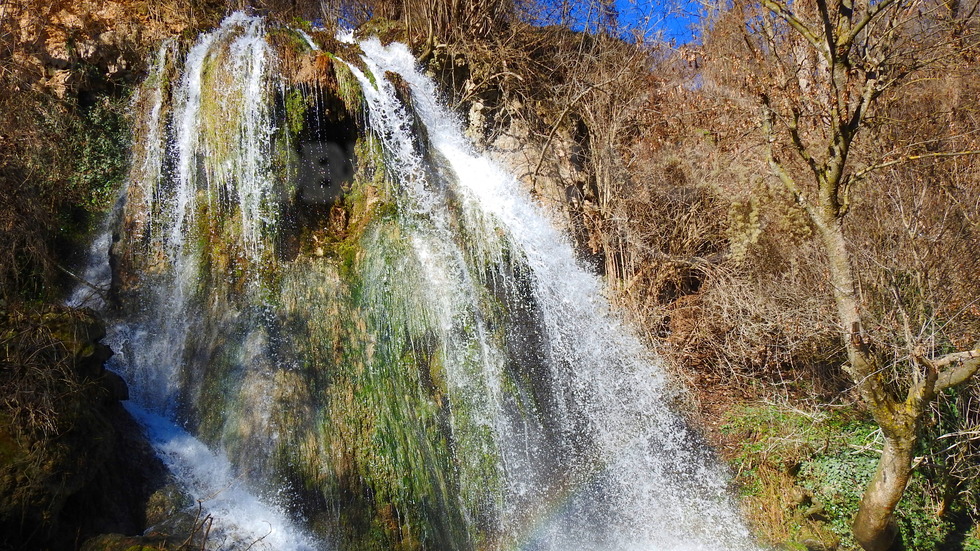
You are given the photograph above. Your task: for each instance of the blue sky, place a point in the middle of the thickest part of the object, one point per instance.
(674, 18)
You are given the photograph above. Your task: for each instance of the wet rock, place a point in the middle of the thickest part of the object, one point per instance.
(165, 503)
(115, 385)
(814, 545)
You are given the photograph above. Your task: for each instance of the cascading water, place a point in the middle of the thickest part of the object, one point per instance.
(183, 168)
(635, 478)
(375, 330)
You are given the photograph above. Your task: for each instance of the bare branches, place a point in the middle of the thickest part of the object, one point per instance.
(941, 374)
(783, 12)
(908, 158)
(768, 126)
(819, 173)
(560, 120)
(846, 39)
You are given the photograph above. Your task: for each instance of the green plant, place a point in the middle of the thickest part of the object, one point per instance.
(295, 112)
(101, 146)
(836, 481)
(801, 474)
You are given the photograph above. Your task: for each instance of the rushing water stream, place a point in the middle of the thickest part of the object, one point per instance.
(357, 332)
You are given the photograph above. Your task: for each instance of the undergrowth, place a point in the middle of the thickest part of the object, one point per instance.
(800, 475)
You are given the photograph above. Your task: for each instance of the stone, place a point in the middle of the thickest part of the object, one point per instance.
(117, 387)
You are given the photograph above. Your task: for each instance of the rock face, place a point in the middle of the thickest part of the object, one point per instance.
(63, 46)
(73, 462)
(551, 160)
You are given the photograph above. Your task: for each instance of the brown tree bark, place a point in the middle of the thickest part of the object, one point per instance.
(874, 526)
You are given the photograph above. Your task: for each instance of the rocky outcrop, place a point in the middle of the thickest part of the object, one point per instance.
(73, 462)
(64, 46)
(542, 144)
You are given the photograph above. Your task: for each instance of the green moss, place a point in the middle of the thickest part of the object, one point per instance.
(348, 87)
(385, 427)
(387, 30)
(289, 37)
(220, 110)
(295, 103)
(355, 347)
(347, 79)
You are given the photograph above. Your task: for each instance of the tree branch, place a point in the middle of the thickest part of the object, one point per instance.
(828, 26)
(865, 171)
(561, 117)
(783, 12)
(801, 148)
(768, 121)
(960, 367)
(873, 10)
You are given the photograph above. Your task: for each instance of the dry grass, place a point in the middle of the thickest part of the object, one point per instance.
(40, 385)
(776, 516)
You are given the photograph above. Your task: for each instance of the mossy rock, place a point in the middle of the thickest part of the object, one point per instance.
(165, 503)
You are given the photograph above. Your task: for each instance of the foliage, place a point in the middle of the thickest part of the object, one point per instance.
(101, 143)
(62, 159)
(774, 446)
(427, 21)
(823, 74)
(295, 112)
(801, 475)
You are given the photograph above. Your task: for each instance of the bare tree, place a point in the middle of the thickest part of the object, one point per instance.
(820, 71)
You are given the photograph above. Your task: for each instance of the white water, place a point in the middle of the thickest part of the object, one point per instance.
(145, 176)
(238, 169)
(187, 122)
(149, 344)
(239, 519)
(308, 39)
(634, 478)
(602, 465)
(91, 292)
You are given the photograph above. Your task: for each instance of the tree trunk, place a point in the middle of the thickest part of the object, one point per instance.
(842, 284)
(874, 526)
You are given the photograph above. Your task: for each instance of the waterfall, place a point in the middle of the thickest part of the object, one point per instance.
(345, 328)
(167, 188)
(639, 480)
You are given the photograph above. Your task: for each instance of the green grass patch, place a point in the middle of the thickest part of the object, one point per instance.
(800, 476)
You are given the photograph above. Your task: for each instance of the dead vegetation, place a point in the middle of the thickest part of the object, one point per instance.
(68, 458)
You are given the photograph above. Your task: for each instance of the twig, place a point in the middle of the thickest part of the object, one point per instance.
(861, 173)
(102, 294)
